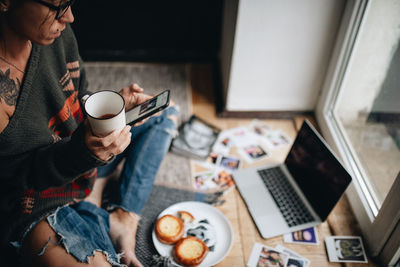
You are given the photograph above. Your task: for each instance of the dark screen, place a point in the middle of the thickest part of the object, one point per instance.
(318, 173)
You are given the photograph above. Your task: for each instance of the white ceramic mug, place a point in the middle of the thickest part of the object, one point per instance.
(105, 111)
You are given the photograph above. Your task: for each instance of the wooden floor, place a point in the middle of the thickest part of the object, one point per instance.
(340, 222)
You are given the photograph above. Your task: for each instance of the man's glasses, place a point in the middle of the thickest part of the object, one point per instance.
(61, 9)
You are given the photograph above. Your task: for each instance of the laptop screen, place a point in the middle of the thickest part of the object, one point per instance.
(318, 173)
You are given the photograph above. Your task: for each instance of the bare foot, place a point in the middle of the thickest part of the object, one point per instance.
(123, 226)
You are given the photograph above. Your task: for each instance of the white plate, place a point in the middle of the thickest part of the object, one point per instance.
(216, 218)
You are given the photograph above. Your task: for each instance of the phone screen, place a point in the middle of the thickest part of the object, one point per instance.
(148, 108)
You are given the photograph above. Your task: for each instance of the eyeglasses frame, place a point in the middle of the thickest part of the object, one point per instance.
(61, 9)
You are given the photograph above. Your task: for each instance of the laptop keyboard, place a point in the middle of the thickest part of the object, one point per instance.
(286, 198)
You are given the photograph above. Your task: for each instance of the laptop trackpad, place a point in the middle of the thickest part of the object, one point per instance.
(264, 210)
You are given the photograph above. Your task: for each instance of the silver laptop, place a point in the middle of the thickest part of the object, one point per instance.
(299, 193)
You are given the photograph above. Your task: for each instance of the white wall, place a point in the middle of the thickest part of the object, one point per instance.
(280, 53)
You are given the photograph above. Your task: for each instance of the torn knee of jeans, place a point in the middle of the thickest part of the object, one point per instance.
(109, 258)
(50, 241)
(172, 132)
(172, 110)
(44, 247)
(173, 118)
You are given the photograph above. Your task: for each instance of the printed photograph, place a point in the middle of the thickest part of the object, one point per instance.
(215, 180)
(205, 181)
(276, 139)
(295, 259)
(271, 258)
(305, 236)
(195, 139)
(259, 127)
(264, 256)
(230, 163)
(255, 151)
(213, 158)
(226, 142)
(293, 262)
(224, 180)
(222, 145)
(345, 249)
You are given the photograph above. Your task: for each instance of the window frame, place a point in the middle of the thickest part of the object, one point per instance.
(377, 225)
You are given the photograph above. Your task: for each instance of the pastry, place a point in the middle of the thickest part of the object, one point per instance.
(190, 251)
(186, 216)
(169, 229)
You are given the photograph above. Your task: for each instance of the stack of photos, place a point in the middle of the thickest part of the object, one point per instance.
(272, 138)
(280, 256)
(345, 249)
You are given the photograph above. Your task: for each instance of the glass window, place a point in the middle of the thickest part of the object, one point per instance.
(368, 105)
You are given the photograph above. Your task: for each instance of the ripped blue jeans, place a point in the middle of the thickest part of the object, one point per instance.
(83, 227)
(143, 157)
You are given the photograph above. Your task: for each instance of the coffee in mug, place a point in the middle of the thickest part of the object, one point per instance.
(107, 116)
(105, 111)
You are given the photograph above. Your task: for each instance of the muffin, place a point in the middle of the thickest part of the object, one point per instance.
(190, 251)
(169, 229)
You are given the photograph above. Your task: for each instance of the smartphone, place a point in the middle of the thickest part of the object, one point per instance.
(147, 108)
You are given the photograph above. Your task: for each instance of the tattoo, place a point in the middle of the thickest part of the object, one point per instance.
(9, 89)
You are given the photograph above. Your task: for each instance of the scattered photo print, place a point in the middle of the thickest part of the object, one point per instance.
(213, 158)
(215, 180)
(295, 259)
(345, 249)
(196, 139)
(306, 236)
(259, 127)
(204, 181)
(243, 137)
(224, 180)
(269, 258)
(275, 139)
(263, 256)
(222, 146)
(294, 262)
(227, 142)
(209, 164)
(253, 153)
(229, 163)
(238, 136)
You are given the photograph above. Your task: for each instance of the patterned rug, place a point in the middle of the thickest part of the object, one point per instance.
(153, 78)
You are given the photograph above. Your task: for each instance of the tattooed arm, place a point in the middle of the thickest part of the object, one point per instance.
(9, 92)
